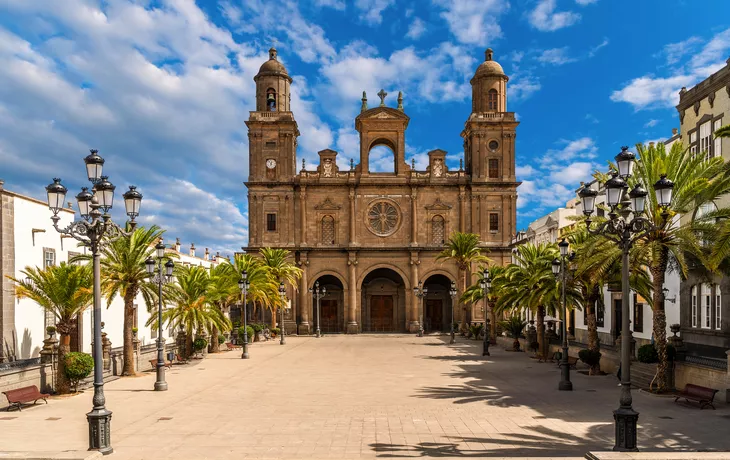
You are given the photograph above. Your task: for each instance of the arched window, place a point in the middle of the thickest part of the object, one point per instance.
(492, 99)
(328, 230)
(437, 230)
(705, 313)
(718, 308)
(271, 100)
(694, 306)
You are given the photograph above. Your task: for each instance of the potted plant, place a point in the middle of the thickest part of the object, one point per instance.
(199, 344)
(592, 358)
(475, 330)
(51, 330)
(134, 332)
(514, 326)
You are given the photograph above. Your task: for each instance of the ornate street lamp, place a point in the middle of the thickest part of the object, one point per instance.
(486, 284)
(420, 291)
(94, 231)
(282, 295)
(559, 270)
(453, 293)
(157, 276)
(624, 232)
(243, 285)
(318, 294)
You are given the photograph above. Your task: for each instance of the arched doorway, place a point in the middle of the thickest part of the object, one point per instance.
(381, 159)
(437, 304)
(331, 306)
(383, 302)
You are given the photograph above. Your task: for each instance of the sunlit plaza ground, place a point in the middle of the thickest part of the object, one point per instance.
(363, 396)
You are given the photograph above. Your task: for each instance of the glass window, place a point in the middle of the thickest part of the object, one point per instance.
(600, 313)
(493, 168)
(493, 222)
(718, 308)
(706, 306)
(492, 101)
(693, 142)
(49, 258)
(705, 138)
(694, 306)
(437, 230)
(328, 230)
(270, 222)
(638, 315)
(717, 151)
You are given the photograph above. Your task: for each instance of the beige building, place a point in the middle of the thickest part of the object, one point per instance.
(371, 237)
(551, 227)
(703, 109)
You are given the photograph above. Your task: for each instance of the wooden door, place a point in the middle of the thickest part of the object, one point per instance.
(434, 315)
(328, 316)
(381, 313)
(617, 318)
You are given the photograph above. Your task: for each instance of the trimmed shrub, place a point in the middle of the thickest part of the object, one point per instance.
(257, 327)
(647, 354)
(51, 330)
(221, 339)
(590, 357)
(276, 331)
(78, 366)
(199, 344)
(475, 330)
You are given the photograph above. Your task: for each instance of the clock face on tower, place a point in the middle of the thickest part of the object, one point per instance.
(271, 163)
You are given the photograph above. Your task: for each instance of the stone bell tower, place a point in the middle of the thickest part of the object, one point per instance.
(272, 143)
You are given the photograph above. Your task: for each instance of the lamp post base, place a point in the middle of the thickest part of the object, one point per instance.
(160, 386)
(565, 385)
(453, 338)
(626, 419)
(100, 430)
(318, 333)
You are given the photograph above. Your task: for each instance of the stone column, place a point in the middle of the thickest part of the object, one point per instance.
(414, 217)
(304, 298)
(462, 209)
(106, 350)
(352, 216)
(352, 307)
(50, 349)
(412, 314)
(303, 215)
(7, 267)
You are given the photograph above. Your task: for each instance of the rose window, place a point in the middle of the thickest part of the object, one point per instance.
(383, 218)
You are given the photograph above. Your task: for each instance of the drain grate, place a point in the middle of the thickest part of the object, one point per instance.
(8, 418)
(53, 418)
(666, 417)
(164, 418)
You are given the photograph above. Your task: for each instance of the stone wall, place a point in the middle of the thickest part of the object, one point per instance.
(697, 374)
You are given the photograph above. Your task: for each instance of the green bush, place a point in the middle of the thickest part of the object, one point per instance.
(513, 326)
(257, 327)
(590, 357)
(78, 366)
(475, 330)
(276, 331)
(221, 339)
(648, 354)
(51, 330)
(199, 344)
(248, 330)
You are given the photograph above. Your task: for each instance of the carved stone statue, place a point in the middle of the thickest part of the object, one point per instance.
(327, 168)
(438, 167)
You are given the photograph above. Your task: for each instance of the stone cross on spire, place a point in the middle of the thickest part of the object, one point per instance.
(382, 95)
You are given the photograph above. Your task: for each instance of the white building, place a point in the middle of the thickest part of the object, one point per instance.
(549, 228)
(27, 238)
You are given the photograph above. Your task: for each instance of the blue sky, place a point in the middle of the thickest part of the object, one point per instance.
(162, 88)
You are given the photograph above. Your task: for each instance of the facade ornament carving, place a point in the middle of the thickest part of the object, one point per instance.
(697, 107)
(400, 101)
(438, 167)
(327, 205)
(711, 98)
(681, 116)
(439, 205)
(327, 167)
(364, 100)
(382, 95)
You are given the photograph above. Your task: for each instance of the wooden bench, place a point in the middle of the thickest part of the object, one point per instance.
(180, 359)
(703, 395)
(24, 395)
(572, 361)
(232, 346)
(153, 362)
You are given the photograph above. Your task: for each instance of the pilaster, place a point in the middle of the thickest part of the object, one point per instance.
(7, 267)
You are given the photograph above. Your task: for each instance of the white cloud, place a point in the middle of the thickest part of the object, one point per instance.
(473, 22)
(523, 171)
(585, 2)
(650, 91)
(522, 88)
(546, 19)
(373, 10)
(674, 52)
(593, 51)
(651, 123)
(591, 118)
(573, 173)
(555, 56)
(416, 29)
(335, 4)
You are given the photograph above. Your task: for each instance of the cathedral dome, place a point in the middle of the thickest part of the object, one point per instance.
(272, 66)
(489, 67)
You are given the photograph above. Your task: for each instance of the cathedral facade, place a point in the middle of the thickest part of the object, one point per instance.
(371, 237)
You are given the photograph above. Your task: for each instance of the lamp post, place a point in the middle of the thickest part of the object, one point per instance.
(420, 291)
(559, 270)
(282, 295)
(318, 294)
(243, 285)
(624, 232)
(94, 231)
(486, 284)
(160, 278)
(453, 292)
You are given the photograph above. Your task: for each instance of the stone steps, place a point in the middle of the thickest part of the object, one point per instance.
(642, 374)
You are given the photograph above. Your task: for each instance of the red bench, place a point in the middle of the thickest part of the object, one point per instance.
(233, 346)
(703, 395)
(153, 362)
(24, 395)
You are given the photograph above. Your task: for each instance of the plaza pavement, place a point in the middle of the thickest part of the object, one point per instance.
(363, 396)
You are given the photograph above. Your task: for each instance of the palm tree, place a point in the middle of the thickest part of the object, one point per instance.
(279, 269)
(475, 293)
(123, 273)
(264, 289)
(222, 292)
(463, 249)
(65, 291)
(193, 309)
(723, 132)
(697, 180)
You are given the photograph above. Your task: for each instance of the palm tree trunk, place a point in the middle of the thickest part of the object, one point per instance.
(593, 297)
(189, 344)
(658, 270)
(214, 346)
(273, 318)
(63, 386)
(462, 311)
(541, 331)
(128, 349)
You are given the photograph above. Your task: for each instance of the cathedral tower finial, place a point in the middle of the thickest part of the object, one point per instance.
(488, 54)
(382, 95)
(272, 53)
(400, 100)
(364, 99)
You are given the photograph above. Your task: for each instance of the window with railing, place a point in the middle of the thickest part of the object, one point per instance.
(693, 143)
(328, 230)
(493, 222)
(705, 138)
(718, 308)
(706, 290)
(717, 151)
(694, 306)
(492, 99)
(493, 168)
(437, 230)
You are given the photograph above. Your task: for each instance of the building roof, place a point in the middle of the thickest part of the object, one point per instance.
(489, 67)
(273, 66)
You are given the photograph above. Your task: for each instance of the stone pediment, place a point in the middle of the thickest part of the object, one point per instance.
(327, 205)
(438, 205)
(380, 115)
